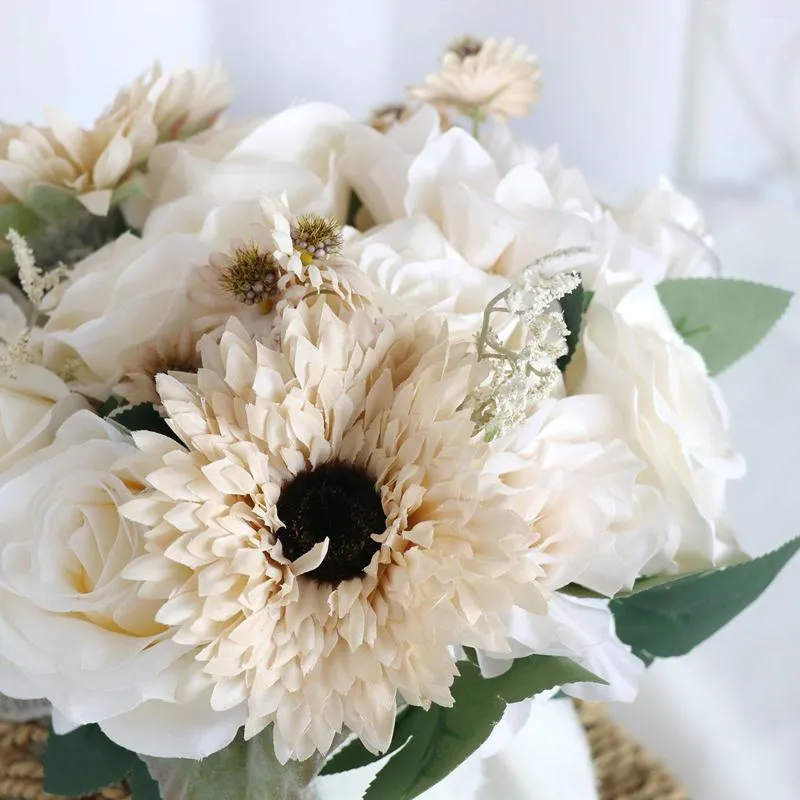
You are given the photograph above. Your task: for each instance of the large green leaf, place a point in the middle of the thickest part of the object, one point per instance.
(83, 762)
(722, 318)
(442, 738)
(22, 220)
(143, 786)
(670, 619)
(533, 674)
(53, 204)
(241, 771)
(354, 755)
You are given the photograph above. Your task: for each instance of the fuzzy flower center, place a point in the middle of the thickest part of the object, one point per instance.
(251, 275)
(337, 502)
(316, 237)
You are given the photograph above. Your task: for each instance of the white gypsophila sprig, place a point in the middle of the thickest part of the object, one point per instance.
(522, 359)
(17, 351)
(34, 281)
(35, 284)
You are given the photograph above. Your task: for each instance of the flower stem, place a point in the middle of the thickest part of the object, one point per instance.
(475, 116)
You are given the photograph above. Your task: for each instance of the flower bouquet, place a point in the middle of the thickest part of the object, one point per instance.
(324, 440)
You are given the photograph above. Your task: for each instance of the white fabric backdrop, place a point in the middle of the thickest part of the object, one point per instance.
(632, 89)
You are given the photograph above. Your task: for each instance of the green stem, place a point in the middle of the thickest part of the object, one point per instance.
(476, 125)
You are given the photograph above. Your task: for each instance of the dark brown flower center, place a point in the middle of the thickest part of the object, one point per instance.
(467, 46)
(337, 502)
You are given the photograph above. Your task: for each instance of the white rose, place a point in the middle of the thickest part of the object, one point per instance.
(456, 182)
(33, 401)
(676, 418)
(416, 271)
(293, 153)
(123, 304)
(72, 629)
(500, 204)
(569, 472)
(670, 224)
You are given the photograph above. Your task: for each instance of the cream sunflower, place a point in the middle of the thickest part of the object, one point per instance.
(484, 78)
(326, 534)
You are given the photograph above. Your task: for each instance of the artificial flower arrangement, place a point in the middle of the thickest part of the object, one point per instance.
(324, 440)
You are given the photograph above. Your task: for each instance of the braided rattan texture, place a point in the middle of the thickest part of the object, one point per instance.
(625, 770)
(21, 747)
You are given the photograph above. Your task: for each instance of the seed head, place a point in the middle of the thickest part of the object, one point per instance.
(250, 275)
(316, 237)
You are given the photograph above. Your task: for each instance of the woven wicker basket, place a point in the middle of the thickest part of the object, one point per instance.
(625, 770)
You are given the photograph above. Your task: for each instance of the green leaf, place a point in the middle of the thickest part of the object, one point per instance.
(670, 619)
(353, 207)
(533, 674)
(143, 417)
(354, 755)
(131, 188)
(241, 771)
(576, 590)
(22, 220)
(53, 204)
(573, 306)
(83, 762)
(442, 738)
(143, 785)
(722, 318)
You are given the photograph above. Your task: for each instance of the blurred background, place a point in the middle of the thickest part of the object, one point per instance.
(704, 91)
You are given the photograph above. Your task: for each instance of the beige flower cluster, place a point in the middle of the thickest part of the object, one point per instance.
(93, 163)
(276, 503)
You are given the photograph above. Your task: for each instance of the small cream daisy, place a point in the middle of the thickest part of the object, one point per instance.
(326, 535)
(484, 78)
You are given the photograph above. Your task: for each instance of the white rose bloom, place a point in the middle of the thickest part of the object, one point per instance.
(33, 401)
(569, 473)
(676, 418)
(500, 205)
(581, 630)
(72, 628)
(120, 305)
(416, 270)
(670, 224)
(293, 153)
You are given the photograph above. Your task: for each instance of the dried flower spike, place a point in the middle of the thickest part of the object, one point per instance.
(316, 237)
(249, 273)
